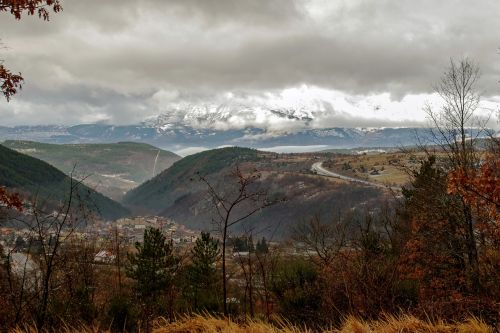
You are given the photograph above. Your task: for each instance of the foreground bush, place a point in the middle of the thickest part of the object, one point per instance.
(200, 324)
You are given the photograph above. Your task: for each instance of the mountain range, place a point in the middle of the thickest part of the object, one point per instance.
(179, 137)
(184, 128)
(190, 128)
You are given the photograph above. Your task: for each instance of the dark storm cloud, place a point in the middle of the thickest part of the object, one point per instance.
(126, 51)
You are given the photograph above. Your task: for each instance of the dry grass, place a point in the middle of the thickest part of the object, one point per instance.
(208, 324)
(404, 324)
(81, 329)
(390, 175)
(407, 324)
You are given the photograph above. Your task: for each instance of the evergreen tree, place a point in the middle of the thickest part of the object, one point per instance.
(202, 274)
(20, 243)
(261, 246)
(435, 251)
(152, 267)
(153, 264)
(243, 244)
(250, 246)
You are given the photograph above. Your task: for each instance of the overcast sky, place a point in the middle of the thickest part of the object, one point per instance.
(364, 62)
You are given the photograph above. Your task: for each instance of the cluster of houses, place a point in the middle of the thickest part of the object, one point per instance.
(132, 229)
(14, 241)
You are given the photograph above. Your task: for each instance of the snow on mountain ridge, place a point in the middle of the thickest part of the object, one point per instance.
(234, 116)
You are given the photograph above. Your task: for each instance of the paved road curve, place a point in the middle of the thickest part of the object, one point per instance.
(318, 168)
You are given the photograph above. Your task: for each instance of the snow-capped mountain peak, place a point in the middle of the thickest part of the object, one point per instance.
(228, 115)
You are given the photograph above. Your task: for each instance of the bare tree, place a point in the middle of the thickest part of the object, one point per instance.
(246, 265)
(240, 198)
(326, 240)
(325, 243)
(266, 263)
(456, 125)
(20, 281)
(48, 231)
(117, 247)
(456, 129)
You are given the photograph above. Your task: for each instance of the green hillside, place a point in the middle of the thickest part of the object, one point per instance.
(161, 191)
(31, 175)
(112, 169)
(176, 194)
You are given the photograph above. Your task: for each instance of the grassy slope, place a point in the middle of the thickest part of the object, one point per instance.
(162, 190)
(113, 168)
(27, 174)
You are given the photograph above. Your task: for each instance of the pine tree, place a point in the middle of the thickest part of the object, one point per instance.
(152, 268)
(261, 246)
(153, 264)
(202, 273)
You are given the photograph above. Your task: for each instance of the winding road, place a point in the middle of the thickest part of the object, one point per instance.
(319, 170)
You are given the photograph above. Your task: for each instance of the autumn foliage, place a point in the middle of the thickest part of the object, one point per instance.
(481, 187)
(30, 7)
(452, 277)
(10, 200)
(10, 82)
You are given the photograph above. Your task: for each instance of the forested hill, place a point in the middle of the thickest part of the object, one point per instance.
(35, 177)
(162, 190)
(178, 194)
(112, 168)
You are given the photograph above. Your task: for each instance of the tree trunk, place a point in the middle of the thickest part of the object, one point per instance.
(224, 278)
(250, 284)
(472, 255)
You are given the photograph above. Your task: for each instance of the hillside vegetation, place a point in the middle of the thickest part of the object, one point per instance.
(162, 190)
(177, 192)
(112, 168)
(34, 177)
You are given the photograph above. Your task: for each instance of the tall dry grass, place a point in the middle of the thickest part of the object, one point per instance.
(209, 324)
(402, 324)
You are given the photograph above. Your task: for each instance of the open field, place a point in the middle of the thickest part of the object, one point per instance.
(380, 167)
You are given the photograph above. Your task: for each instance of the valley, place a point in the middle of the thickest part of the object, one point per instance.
(112, 169)
(306, 184)
(178, 194)
(48, 188)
